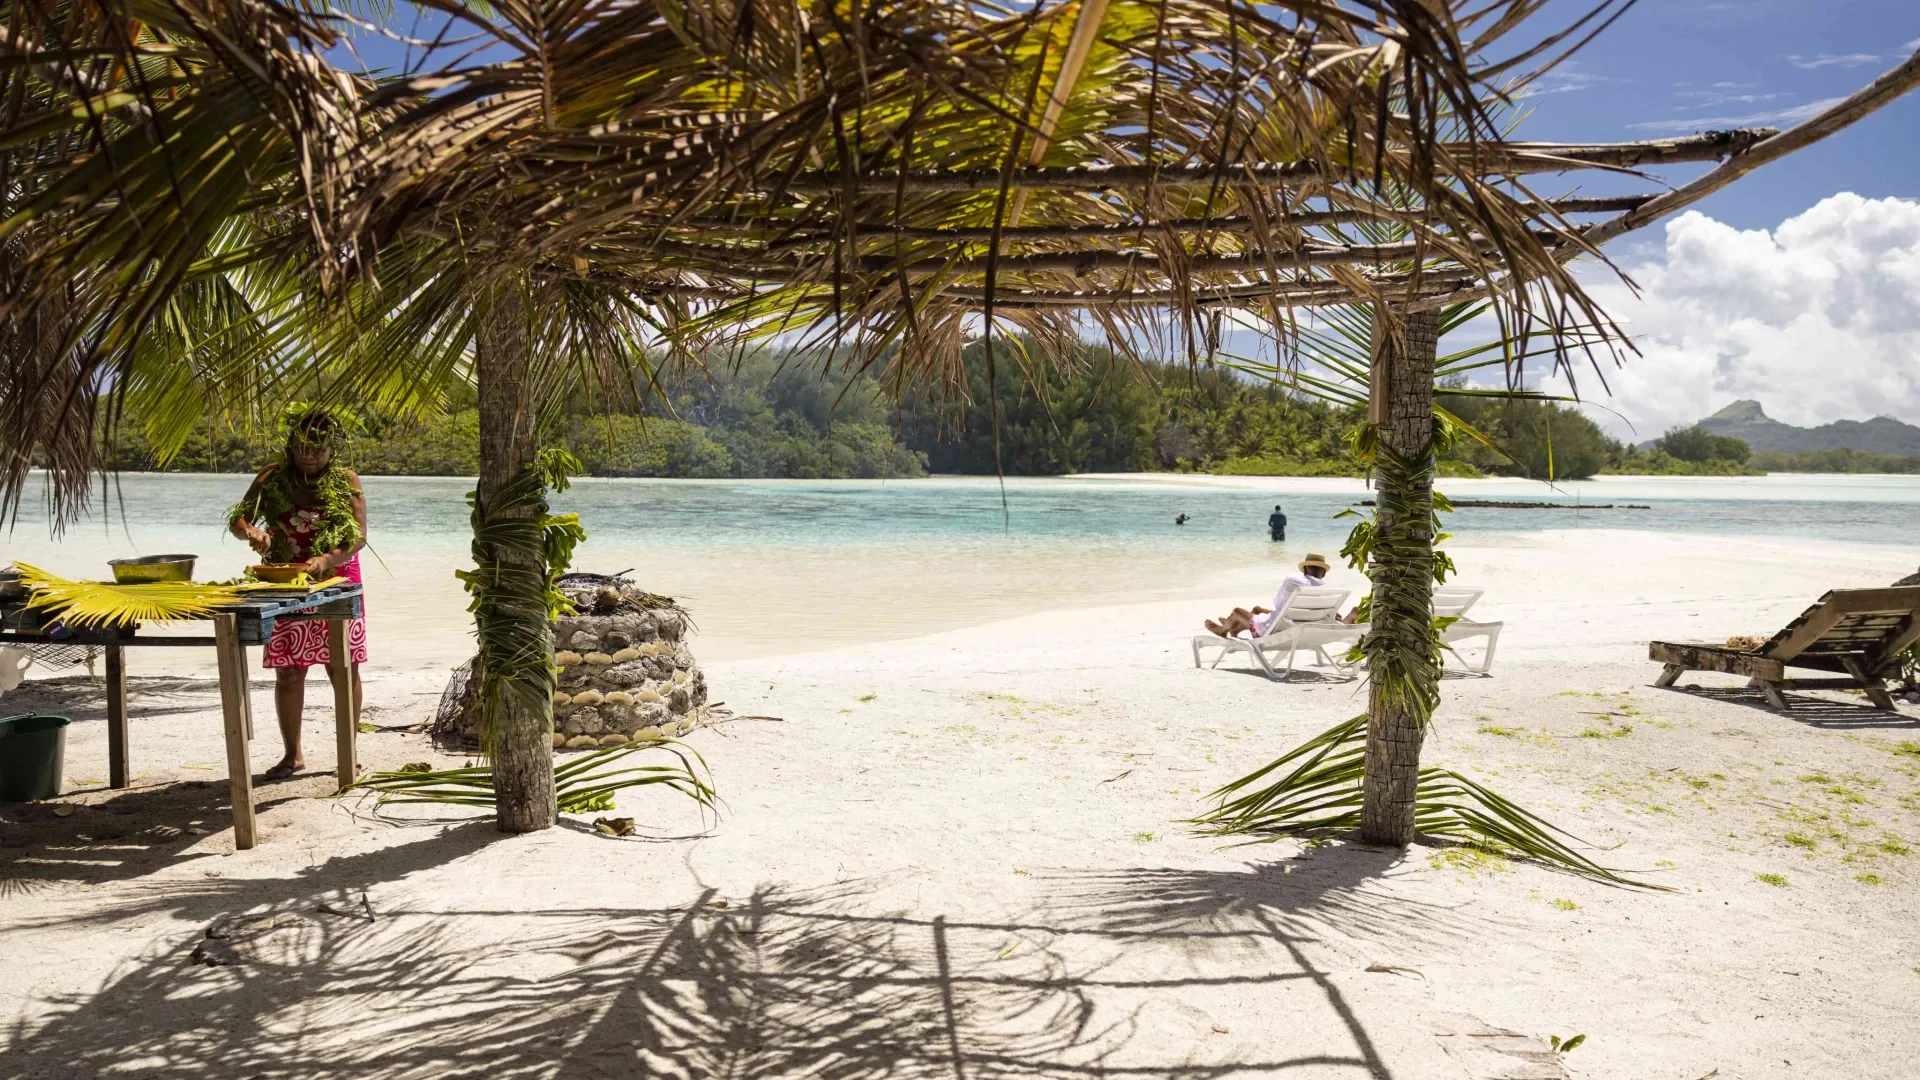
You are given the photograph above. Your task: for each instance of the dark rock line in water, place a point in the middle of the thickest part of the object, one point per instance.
(1496, 504)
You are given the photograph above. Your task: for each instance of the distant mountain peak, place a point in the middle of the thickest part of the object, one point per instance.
(1747, 421)
(1745, 409)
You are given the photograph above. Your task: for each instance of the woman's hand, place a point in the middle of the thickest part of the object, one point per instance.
(256, 538)
(319, 568)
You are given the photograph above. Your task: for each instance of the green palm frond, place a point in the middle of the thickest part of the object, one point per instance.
(584, 783)
(1317, 794)
(104, 603)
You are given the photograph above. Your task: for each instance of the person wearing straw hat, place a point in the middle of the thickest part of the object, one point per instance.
(1313, 573)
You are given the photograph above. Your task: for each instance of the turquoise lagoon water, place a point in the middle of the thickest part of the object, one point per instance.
(778, 566)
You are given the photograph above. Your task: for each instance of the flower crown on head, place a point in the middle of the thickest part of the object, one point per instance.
(319, 425)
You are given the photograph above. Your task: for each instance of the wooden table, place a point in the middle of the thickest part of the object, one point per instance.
(236, 627)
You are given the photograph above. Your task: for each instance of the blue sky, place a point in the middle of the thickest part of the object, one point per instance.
(1799, 286)
(1671, 67)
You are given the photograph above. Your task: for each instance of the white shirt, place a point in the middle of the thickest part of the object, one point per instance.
(1293, 584)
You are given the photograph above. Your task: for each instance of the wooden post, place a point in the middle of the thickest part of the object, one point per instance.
(1402, 573)
(117, 770)
(522, 750)
(237, 711)
(346, 712)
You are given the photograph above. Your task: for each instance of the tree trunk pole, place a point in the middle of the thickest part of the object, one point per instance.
(522, 750)
(1405, 344)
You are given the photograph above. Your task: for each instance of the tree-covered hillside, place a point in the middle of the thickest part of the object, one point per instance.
(780, 415)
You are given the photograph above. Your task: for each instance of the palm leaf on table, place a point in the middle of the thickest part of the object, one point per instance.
(105, 603)
(582, 784)
(1318, 794)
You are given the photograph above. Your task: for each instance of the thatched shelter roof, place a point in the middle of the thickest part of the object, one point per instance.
(884, 175)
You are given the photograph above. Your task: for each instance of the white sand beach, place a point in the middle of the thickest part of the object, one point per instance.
(961, 855)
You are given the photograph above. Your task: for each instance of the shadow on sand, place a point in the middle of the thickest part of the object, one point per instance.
(1121, 973)
(1820, 712)
(124, 835)
(83, 698)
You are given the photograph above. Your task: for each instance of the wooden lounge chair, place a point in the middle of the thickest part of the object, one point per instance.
(1310, 623)
(1859, 633)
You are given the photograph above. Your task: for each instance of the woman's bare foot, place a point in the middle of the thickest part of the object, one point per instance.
(287, 767)
(1215, 628)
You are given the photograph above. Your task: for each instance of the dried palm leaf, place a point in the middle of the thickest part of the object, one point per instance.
(102, 603)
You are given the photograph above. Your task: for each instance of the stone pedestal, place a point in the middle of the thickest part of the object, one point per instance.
(625, 675)
(625, 671)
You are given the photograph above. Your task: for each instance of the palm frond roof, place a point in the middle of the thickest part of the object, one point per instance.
(882, 174)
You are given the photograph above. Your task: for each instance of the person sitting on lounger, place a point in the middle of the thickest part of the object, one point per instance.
(1313, 574)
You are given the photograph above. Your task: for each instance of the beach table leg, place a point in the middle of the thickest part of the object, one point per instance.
(1668, 674)
(237, 711)
(117, 770)
(346, 717)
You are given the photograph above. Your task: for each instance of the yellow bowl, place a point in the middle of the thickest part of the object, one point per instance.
(152, 568)
(278, 573)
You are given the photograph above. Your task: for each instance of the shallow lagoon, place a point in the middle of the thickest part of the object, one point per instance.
(772, 566)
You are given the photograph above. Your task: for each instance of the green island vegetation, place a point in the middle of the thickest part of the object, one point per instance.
(779, 415)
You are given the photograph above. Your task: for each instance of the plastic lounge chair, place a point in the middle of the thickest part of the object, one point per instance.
(1311, 621)
(1857, 632)
(1453, 601)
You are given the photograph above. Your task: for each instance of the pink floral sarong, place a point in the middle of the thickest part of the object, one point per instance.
(304, 644)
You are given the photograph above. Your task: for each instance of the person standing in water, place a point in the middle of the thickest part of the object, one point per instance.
(306, 508)
(1277, 524)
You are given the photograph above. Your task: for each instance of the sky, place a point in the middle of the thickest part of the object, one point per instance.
(1799, 286)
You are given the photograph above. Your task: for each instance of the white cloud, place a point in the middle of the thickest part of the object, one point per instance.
(1567, 77)
(1780, 116)
(1911, 47)
(1713, 99)
(1825, 60)
(1818, 320)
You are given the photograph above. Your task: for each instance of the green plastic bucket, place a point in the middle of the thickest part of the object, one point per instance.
(33, 757)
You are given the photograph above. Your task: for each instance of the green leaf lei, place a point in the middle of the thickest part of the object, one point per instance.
(513, 608)
(333, 489)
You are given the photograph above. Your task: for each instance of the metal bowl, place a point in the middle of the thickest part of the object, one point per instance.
(151, 568)
(10, 587)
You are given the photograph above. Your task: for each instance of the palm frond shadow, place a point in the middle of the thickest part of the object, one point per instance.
(1327, 892)
(778, 983)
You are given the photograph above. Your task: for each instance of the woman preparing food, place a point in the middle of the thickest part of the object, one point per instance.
(306, 509)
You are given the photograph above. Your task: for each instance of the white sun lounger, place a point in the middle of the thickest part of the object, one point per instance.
(1453, 601)
(1311, 621)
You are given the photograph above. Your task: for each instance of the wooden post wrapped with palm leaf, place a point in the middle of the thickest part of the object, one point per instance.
(1403, 653)
(510, 576)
